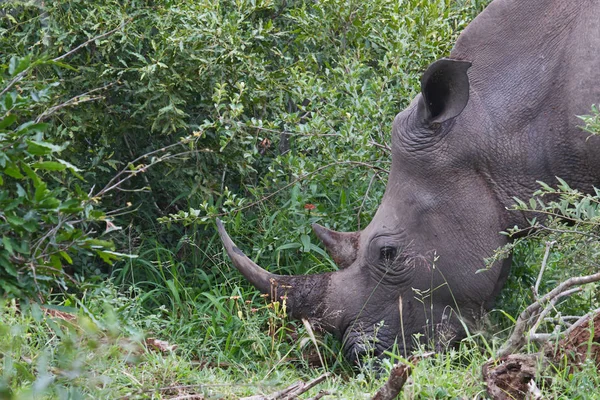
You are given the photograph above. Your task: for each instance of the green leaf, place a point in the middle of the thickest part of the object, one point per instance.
(31, 226)
(66, 257)
(13, 171)
(40, 192)
(41, 148)
(49, 166)
(8, 266)
(68, 165)
(98, 243)
(305, 239)
(31, 174)
(15, 65)
(49, 203)
(12, 65)
(7, 242)
(31, 127)
(109, 256)
(289, 246)
(317, 249)
(8, 120)
(8, 101)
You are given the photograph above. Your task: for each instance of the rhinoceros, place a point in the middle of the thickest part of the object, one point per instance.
(497, 115)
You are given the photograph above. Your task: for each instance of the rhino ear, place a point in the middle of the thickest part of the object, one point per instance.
(444, 90)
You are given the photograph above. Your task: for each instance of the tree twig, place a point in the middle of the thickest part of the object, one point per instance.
(300, 178)
(362, 204)
(24, 73)
(518, 337)
(102, 36)
(321, 394)
(381, 146)
(80, 98)
(549, 245)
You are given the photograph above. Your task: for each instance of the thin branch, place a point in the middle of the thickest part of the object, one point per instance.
(24, 73)
(381, 146)
(260, 128)
(555, 230)
(292, 391)
(362, 204)
(82, 45)
(550, 307)
(581, 320)
(135, 170)
(321, 394)
(305, 387)
(80, 98)
(300, 178)
(543, 268)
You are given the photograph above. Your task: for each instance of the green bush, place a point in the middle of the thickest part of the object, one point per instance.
(48, 221)
(288, 103)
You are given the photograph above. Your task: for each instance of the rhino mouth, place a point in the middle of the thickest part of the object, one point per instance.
(368, 342)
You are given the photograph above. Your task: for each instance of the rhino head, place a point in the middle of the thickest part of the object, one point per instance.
(411, 274)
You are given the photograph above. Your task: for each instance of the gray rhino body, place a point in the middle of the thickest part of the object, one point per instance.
(495, 117)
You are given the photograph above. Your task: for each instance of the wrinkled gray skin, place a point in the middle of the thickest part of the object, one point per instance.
(492, 119)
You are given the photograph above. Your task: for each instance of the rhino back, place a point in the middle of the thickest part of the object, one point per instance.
(535, 67)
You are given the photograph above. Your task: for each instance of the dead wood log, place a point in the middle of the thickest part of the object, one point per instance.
(581, 343)
(514, 376)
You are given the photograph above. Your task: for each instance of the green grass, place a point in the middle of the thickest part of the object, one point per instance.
(227, 347)
(181, 289)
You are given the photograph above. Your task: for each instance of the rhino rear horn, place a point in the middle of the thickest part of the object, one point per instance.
(341, 246)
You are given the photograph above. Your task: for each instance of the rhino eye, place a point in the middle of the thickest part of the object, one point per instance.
(387, 253)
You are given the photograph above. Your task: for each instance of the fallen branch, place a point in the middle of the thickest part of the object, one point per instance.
(292, 391)
(513, 377)
(543, 268)
(398, 377)
(580, 342)
(532, 316)
(321, 394)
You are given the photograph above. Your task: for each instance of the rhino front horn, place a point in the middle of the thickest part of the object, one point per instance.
(305, 294)
(341, 246)
(257, 276)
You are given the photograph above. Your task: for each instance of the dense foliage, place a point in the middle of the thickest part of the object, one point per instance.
(280, 106)
(126, 127)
